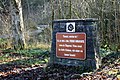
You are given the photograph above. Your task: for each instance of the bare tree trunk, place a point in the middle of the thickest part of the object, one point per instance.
(70, 10)
(17, 25)
(52, 6)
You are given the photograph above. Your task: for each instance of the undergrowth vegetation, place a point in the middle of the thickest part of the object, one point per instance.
(29, 56)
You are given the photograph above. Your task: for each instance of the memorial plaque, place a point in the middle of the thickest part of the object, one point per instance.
(75, 43)
(71, 45)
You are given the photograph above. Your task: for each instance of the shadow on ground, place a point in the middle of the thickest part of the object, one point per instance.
(14, 71)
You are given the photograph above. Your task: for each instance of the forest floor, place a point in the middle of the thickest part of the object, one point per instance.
(33, 66)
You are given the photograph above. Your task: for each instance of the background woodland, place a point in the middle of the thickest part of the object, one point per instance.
(37, 16)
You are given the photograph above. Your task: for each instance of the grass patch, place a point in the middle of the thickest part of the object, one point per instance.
(2, 59)
(26, 52)
(30, 62)
(25, 57)
(42, 46)
(104, 52)
(31, 52)
(34, 54)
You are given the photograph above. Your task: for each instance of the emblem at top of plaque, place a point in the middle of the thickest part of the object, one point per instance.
(70, 27)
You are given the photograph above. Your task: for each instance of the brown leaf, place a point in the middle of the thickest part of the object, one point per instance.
(118, 77)
(104, 77)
